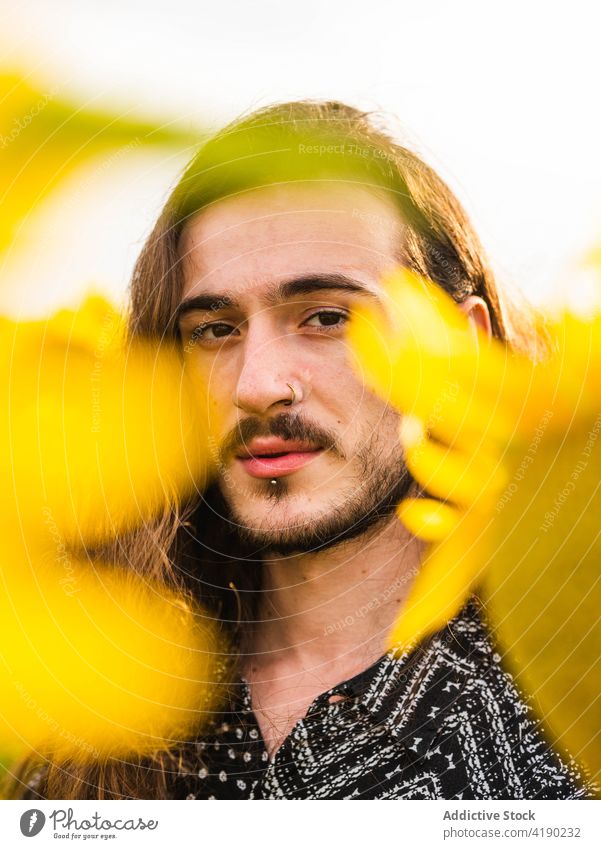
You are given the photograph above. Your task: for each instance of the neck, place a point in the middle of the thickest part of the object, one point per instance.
(333, 609)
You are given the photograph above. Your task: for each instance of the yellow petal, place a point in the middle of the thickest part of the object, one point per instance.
(428, 519)
(445, 580)
(96, 661)
(43, 138)
(101, 434)
(542, 582)
(453, 475)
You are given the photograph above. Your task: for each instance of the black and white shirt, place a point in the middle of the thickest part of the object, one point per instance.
(444, 721)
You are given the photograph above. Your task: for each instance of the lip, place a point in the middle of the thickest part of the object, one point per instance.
(293, 455)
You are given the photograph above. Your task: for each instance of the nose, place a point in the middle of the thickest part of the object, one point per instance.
(267, 370)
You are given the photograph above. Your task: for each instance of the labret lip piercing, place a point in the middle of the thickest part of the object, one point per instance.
(274, 481)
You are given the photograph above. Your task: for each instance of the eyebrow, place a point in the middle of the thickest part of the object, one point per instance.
(276, 294)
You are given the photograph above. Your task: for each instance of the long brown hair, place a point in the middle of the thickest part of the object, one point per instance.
(193, 548)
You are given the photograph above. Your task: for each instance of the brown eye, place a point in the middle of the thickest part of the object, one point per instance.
(220, 330)
(327, 318)
(213, 331)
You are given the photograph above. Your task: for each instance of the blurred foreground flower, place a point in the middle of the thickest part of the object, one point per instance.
(509, 452)
(44, 136)
(99, 436)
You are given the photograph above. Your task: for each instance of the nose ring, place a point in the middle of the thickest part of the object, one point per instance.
(290, 401)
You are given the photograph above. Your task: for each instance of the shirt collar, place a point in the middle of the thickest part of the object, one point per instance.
(389, 678)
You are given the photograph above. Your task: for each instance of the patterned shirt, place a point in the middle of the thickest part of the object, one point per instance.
(444, 721)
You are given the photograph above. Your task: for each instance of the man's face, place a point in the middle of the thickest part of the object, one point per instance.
(270, 278)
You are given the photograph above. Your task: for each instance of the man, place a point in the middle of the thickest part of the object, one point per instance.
(311, 471)
(280, 225)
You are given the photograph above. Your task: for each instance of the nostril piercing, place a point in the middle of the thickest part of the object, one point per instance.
(290, 401)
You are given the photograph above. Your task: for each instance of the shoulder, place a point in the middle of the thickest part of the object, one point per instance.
(461, 700)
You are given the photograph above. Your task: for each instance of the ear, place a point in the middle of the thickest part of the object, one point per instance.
(477, 312)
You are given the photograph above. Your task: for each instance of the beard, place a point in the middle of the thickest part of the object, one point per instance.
(382, 480)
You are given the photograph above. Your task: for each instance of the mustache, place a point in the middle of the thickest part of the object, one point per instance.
(284, 426)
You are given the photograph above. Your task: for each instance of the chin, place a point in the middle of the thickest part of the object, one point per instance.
(278, 511)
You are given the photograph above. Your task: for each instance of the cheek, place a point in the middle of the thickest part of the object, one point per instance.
(214, 377)
(375, 418)
(336, 388)
(357, 410)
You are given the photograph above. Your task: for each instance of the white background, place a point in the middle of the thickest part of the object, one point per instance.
(501, 97)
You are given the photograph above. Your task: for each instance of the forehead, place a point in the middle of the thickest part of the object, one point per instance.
(279, 231)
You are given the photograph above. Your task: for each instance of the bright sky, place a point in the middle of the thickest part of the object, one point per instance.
(501, 97)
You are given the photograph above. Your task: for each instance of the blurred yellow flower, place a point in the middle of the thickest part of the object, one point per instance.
(44, 136)
(507, 454)
(99, 435)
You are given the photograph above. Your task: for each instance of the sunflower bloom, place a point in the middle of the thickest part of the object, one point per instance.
(506, 452)
(100, 436)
